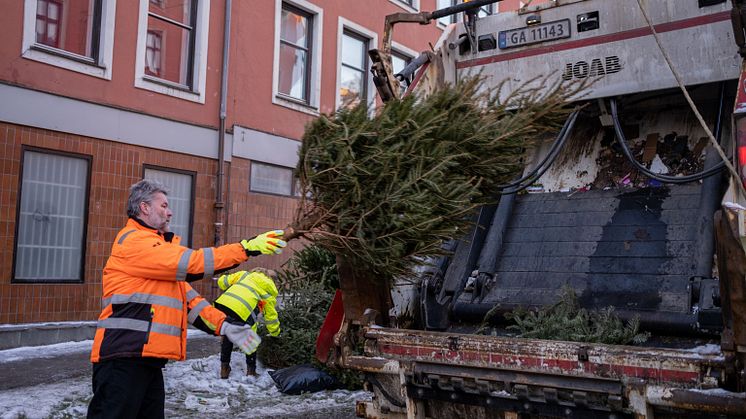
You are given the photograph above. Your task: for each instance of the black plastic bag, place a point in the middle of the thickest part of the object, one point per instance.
(303, 378)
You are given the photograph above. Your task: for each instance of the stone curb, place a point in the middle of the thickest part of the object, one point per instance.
(37, 334)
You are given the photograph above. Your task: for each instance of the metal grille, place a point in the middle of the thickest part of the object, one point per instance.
(51, 218)
(179, 200)
(271, 179)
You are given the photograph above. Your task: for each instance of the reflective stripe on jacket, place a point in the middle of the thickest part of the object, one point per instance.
(147, 300)
(247, 293)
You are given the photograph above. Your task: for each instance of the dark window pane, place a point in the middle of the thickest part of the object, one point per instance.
(294, 28)
(353, 51)
(153, 56)
(271, 179)
(51, 217)
(350, 87)
(177, 10)
(172, 60)
(67, 25)
(398, 63)
(293, 73)
(179, 200)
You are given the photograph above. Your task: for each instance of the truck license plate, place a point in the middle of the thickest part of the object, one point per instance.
(534, 34)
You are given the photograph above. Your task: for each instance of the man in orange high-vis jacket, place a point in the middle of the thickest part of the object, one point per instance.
(147, 303)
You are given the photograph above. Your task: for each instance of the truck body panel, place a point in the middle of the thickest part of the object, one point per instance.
(668, 254)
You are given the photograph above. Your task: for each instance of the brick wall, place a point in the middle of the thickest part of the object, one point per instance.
(114, 167)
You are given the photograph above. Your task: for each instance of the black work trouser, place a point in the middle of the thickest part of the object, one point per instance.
(127, 388)
(226, 348)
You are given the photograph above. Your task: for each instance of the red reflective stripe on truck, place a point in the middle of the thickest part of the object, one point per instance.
(605, 370)
(597, 40)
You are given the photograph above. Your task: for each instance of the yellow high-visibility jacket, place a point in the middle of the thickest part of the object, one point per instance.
(246, 295)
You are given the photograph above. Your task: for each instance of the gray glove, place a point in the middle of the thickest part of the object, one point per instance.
(242, 336)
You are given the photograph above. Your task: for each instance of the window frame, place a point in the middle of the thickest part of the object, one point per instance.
(294, 192)
(84, 235)
(194, 90)
(346, 32)
(315, 15)
(192, 192)
(405, 4)
(308, 50)
(102, 42)
(407, 54)
(348, 26)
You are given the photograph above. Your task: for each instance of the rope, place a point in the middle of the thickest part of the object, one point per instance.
(701, 120)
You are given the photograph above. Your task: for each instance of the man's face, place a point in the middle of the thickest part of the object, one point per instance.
(157, 214)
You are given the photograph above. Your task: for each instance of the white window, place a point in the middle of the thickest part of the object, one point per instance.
(180, 186)
(447, 20)
(354, 83)
(268, 178)
(399, 60)
(484, 11)
(77, 35)
(296, 82)
(51, 218)
(171, 56)
(408, 5)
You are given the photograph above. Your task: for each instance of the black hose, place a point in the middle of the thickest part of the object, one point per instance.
(644, 170)
(558, 143)
(548, 160)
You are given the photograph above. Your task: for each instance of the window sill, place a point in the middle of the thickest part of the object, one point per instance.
(277, 194)
(168, 88)
(295, 105)
(67, 60)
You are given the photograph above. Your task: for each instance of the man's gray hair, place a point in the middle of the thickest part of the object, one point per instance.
(143, 191)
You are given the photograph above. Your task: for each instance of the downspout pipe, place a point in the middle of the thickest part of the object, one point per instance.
(219, 202)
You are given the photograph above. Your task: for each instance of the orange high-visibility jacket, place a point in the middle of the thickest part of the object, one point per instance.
(147, 300)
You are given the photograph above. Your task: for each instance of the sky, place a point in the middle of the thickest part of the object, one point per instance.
(193, 389)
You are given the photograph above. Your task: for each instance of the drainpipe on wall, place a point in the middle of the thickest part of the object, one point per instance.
(220, 212)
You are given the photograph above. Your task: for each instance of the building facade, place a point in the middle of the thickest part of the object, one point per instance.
(98, 94)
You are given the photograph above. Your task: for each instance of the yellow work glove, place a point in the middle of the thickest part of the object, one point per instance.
(266, 244)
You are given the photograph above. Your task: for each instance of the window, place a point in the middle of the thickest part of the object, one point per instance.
(77, 35)
(408, 5)
(153, 53)
(48, 15)
(180, 186)
(442, 4)
(174, 24)
(295, 53)
(487, 10)
(51, 217)
(447, 20)
(172, 48)
(398, 62)
(354, 69)
(70, 26)
(296, 80)
(272, 179)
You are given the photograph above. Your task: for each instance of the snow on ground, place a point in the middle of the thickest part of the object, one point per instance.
(193, 390)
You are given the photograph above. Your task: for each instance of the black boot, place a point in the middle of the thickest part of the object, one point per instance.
(225, 370)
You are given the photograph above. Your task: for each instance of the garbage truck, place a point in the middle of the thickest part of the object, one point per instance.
(637, 204)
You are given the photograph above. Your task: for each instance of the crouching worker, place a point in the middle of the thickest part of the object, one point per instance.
(247, 294)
